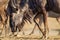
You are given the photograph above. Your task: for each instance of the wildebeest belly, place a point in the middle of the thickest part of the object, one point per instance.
(54, 5)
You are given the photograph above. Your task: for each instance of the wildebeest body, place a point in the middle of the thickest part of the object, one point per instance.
(35, 5)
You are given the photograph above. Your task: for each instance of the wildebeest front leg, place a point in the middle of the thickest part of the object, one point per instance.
(46, 30)
(39, 22)
(35, 27)
(38, 25)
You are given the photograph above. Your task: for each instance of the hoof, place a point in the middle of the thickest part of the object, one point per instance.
(58, 19)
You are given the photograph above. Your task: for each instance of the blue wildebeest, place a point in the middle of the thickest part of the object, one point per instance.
(19, 8)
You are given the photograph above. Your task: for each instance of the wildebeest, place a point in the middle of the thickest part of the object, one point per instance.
(19, 8)
(16, 12)
(53, 5)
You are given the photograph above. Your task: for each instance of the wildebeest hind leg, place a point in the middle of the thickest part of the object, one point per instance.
(58, 19)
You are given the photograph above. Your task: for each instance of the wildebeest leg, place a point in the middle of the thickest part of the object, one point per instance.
(33, 29)
(58, 19)
(45, 23)
(46, 30)
(38, 25)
